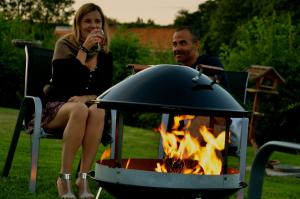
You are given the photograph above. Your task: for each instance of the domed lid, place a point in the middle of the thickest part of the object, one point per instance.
(171, 89)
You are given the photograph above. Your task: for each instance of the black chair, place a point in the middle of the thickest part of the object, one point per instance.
(37, 74)
(238, 82)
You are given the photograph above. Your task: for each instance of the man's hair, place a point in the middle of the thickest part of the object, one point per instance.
(195, 36)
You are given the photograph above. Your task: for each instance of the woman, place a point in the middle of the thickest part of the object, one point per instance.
(81, 72)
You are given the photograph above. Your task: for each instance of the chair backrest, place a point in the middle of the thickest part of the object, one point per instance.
(238, 82)
(38, 70)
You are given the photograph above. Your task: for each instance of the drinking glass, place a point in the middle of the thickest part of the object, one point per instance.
(99, 47)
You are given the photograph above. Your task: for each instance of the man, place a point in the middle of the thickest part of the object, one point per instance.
(186, 50)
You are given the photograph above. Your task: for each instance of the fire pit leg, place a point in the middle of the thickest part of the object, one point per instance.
(98, 193)
(165, 121)
(243, 153)
(117, 134)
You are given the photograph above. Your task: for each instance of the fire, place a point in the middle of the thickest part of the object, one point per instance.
(105, 154)
(186, 154)
(127, 164)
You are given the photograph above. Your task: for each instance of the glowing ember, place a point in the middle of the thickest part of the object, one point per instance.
(184, 153)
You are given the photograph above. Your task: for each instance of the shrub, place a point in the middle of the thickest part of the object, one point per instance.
(272, 42)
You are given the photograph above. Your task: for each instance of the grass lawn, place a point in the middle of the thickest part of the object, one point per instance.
(137, 143)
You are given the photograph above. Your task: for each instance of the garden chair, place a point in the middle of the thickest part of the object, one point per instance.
(37, 74)
(259, 164)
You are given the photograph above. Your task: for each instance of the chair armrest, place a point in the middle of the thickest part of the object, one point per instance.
(137, 67)
(37, 111)
(259, 163)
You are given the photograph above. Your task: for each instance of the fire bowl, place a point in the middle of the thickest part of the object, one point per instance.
(140, 180)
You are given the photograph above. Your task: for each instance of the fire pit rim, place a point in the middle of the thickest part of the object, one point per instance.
(154, 179)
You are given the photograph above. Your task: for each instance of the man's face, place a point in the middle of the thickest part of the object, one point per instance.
(185, 50)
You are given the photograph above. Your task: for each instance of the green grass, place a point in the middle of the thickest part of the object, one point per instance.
(137, 143)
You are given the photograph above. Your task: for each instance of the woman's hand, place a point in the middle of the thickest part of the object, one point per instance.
(93, 38)
(83, 99)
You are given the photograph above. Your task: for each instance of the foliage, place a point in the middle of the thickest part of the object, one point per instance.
(12, 59)
(264, 41)
(45, 11)
(217, 21)
(271, 41)
(126, 49)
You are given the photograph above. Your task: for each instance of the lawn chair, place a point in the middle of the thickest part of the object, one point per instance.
(37, 75)
(259, 164)
(238, 82)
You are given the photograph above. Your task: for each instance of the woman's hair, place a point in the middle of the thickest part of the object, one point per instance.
(81, 12)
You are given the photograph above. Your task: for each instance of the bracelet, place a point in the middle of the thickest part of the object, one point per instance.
(83, 49)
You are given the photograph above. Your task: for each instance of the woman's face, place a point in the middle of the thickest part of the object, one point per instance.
(91, 21)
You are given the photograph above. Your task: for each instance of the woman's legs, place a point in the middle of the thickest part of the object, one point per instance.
(91, 140)
(92, 137)
(72, 116)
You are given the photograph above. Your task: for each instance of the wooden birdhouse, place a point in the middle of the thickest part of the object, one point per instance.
(266, 80)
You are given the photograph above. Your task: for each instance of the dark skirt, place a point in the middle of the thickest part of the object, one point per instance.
(49, 112)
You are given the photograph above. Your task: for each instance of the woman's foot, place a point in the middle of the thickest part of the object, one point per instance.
(64, 186)
(83, 187)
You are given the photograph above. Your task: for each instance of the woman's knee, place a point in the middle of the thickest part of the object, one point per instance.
(79, 111)
(96, 113)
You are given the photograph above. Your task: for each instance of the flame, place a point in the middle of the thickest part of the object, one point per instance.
(185, 154)
(105, 154)
(127, 164)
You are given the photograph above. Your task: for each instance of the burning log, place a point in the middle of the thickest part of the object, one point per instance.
(185, 154)
(186, 166)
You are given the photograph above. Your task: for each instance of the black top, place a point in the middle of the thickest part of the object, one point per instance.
(71, 78)
(210, 60)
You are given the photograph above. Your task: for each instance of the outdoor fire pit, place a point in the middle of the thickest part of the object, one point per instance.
(179, 93)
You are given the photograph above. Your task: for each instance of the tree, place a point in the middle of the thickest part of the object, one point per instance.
(272, 41)
(45, 11)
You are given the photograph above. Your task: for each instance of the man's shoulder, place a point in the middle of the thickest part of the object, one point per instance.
(211, 60)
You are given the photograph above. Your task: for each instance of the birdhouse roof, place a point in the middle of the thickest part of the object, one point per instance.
(257, 72)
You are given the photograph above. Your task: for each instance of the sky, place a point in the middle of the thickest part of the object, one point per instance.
(163, 12)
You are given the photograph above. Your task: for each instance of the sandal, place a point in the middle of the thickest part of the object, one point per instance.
(85, 193)
(65, 178)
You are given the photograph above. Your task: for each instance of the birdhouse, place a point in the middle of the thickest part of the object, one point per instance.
(266, 80)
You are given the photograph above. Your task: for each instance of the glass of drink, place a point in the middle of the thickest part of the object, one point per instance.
(99, 47)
